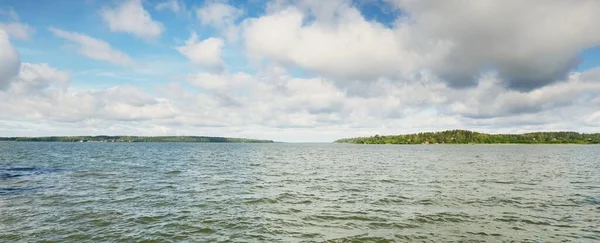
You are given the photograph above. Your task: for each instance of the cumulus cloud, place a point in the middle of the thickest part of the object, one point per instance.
(536, 46)
(40, 93)
(205, 53)
(221, 16)
(272, 104)
(490, 99)
(131, 17)
(349, 48)
(94, 48)
(9, 61)
(39, 77)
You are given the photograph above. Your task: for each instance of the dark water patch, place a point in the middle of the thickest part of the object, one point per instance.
(20, 172)
(4, 176)
(96, 174)
(6, 191)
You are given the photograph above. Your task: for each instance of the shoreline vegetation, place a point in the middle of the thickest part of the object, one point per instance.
(133, 139)
(471, 137)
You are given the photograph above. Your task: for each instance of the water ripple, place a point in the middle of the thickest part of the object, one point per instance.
(171, 192)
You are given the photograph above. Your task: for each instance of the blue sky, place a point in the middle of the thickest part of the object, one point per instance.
(297, 70)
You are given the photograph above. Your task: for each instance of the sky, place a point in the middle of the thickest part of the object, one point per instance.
(297, 71)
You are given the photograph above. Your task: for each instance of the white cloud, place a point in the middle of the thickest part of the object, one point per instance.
(17, 30)
(9, 61)
(172, 5)
(273, 105)
(205, 53)
(94, 48)
(221, 16)
(491, 100)
(536, 46)
(220, 82)
(530, 43)
(131, 17)
(14, 28)
(39, 77)
(352, 48)
(40, 94)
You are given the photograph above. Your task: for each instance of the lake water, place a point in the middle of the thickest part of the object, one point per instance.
(161, 192)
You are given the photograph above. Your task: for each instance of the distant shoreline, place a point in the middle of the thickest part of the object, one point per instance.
(466, 137)
(134, 139)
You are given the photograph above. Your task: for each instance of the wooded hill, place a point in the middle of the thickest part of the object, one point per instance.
(465, 137)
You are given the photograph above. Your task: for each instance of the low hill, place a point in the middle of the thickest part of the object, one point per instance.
(191, 139)
(465, 137)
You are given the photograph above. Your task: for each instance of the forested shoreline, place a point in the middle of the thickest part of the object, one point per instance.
(134, 139)
(467, 137)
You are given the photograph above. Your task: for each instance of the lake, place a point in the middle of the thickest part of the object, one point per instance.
(199, 192)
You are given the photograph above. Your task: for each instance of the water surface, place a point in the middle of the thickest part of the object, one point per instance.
(130, 192)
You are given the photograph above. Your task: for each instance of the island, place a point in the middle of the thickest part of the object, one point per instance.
(134, 139)
(471, 137)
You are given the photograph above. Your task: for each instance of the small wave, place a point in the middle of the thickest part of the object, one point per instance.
(260, 201)
(528, 221)
(361, 238)
(498, 182)
(441, 217)
(15, 190)
(484, 234)
(379, 225)
(425, 202)
(149, 219)
(17, 172)
(311, 235)
(385, 201)
(344, 218)
(204, 231)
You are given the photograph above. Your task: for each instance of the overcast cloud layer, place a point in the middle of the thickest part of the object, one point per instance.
(310, 70)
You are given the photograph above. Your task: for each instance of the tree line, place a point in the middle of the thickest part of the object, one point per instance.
(192, 139)
(466, 137)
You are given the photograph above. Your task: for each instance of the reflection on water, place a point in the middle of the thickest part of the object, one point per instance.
(298, 192)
